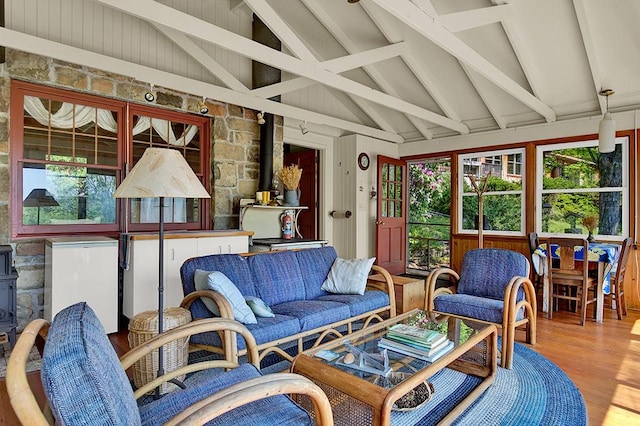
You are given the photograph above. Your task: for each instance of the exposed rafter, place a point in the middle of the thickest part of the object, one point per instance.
(477, 84)
(40, 46)
(592, 57)
(461, 21)
(415, 18)
(155, 12)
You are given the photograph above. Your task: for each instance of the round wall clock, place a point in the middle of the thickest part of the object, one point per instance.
(363, 161)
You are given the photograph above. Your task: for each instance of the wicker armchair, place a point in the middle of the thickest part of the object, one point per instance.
(494, 287)
(85, 383)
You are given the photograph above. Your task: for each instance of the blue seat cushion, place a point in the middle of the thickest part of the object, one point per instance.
(279, 409)
(481, 308)
(370, 300)
(315, 265)
(266, 330)
(486, 272)
(81, 375)
(233, 266)
(278, 277)
(313, 313)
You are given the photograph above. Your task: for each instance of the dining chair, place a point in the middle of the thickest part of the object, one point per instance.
(538, 278)
(569, 278)
(616, 283)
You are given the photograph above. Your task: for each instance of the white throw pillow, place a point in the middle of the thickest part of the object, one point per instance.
(206, 280)
(348, 276)
(259, 308)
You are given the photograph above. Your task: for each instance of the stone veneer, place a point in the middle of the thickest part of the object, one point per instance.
(235, 151)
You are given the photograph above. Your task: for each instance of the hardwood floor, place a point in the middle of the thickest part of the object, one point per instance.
(603, 360)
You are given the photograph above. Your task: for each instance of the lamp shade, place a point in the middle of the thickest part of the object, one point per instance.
(607, 134)
(40, 197)
(161, 172)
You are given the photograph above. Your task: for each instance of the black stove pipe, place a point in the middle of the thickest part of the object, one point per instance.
(264, 75)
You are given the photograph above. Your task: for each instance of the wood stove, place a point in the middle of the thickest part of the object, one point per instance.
(8, 308)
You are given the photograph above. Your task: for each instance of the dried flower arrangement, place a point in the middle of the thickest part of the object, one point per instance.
(590, 222)
(290, 177)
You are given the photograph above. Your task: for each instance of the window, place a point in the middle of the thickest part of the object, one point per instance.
(514, 164)
(577, 181)
(503, 198)
(69, 151)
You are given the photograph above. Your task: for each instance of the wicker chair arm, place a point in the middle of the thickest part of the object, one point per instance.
(223, 304)
(432, 292)
(388, 287)
(252, 390)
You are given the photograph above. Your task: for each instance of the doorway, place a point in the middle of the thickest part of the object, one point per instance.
(308, 160)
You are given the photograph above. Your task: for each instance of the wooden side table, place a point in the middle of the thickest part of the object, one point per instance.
(409, 292)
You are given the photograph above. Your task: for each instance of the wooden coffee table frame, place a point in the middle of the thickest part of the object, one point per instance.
(381, 400)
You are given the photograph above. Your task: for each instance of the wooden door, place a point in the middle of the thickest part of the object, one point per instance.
(307, 161)
(391, 224)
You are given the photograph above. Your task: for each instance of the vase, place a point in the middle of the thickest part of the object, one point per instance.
(292, 197)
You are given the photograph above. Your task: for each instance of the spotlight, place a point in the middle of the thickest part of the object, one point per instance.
(204, 109)
(150, 96)
(261, 118)
(303, 128)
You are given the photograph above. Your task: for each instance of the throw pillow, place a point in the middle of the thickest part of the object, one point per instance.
(348, 276)
(206, 280)
(259, 308)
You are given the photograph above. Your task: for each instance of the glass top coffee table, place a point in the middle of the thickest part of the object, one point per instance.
(364, 388)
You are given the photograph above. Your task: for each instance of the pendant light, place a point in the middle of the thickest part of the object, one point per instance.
(607, 128)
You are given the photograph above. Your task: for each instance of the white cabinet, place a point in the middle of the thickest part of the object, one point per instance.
(82, 269)
(140, 279)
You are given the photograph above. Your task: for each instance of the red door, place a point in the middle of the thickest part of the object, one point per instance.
(307, 161)
(391, 228)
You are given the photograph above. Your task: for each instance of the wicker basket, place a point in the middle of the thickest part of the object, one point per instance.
(142, 327)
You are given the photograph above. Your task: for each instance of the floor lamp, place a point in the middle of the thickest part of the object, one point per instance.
(39, 197)
(161, 173)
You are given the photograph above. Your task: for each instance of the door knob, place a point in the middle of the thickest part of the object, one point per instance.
(379, 222)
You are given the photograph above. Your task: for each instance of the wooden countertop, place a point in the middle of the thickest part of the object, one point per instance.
(190, 234)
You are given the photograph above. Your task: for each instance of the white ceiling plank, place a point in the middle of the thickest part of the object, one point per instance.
(202, 57)
(389, 29)
(341, 36)
(468, 19)
(427, 7)
(473, 77)
(280, 28)
(592, 57)
(337, 65)
(276, 24)
(152, 11)
(414, 18)
(48, 48)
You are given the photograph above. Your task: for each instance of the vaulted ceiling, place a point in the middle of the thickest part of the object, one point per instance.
(396, 70)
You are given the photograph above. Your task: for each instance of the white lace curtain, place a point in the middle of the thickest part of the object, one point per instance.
(72, 116)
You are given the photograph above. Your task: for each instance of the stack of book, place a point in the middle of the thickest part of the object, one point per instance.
(428, 345)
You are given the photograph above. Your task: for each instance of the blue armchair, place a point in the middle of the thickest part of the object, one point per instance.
(493, 287)
(85, 383)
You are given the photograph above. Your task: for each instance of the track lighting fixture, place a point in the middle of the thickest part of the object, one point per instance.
(607, 128)
(150, 96)
(204, 109)
(303, 128)
(261, 118)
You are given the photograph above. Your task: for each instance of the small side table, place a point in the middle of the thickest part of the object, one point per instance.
(409, 292)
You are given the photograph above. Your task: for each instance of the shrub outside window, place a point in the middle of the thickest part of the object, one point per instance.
(503, 201)
(577, 181)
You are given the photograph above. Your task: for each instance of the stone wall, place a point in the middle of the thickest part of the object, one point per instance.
(234, 153)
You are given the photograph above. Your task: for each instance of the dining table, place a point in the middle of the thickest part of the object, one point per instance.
(604, 254)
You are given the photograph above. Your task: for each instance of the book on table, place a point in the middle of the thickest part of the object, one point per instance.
(421, 350)
(401, 348)
(415, 336)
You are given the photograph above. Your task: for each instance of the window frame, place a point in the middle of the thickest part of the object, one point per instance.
(461, 194)
(123, 111)
(624, 141)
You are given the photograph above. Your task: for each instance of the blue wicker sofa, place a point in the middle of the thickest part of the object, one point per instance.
(290, 283)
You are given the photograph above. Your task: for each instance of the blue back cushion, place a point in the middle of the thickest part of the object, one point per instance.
(486, 272)
(81, 374)
(233, 266)
(278, 277)
(316, 264)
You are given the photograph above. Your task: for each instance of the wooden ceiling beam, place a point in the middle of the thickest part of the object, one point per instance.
(468, 19)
